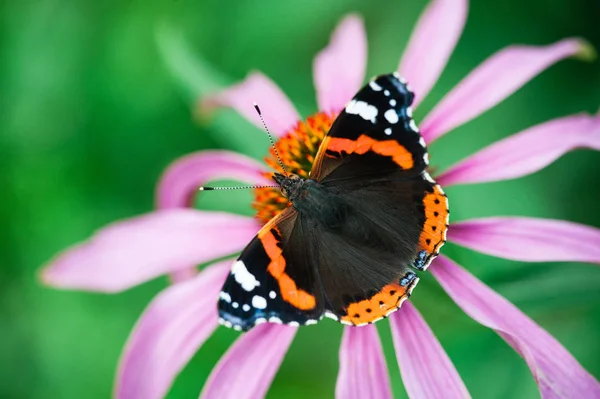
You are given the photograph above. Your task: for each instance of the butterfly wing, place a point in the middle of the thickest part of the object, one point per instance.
(374, 135)
(273, 279)
(374, 160)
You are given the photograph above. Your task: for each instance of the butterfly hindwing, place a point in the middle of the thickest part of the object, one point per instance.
(365, 265)
(272, 280)
(373, 135)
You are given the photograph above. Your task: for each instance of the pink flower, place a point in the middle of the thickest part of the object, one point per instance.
(174, 238)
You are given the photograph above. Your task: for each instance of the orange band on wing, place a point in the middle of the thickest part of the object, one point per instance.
(386, 301)
(289, 291)
(388, 148)
(436, 220)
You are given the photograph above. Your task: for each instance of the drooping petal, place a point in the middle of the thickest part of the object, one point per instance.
(363, 371)
(168, 334)
(339, 69)
(555, 370)
(494, 80)
(526, 152)
(279, 113)
(249, 366)
(529, 239)
(130, 252)
(427, 371)
(180, 182)
(432, 43)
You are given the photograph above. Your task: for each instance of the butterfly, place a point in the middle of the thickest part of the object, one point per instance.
(367, 218)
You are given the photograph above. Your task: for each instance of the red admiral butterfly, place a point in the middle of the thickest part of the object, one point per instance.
(367, 213)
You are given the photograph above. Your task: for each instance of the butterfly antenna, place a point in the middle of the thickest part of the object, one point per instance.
(270, 138)
(206, 188)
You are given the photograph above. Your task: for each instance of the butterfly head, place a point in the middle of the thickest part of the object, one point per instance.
(291, 185)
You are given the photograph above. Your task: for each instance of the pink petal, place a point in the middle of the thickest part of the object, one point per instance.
(432, 43)
(279, 113)
(494, 80)
(427, 371)
(339, 69)
(249, 366)
(130, 252)
(529, 239)
(555, 370)
(180, 182)
(526, 152)
(363, 371)
(168, 334)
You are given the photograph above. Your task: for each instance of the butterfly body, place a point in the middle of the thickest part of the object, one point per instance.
(314, 201)
(357, 228)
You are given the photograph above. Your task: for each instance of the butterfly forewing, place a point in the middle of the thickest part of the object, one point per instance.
(272, 280)
(373, 136)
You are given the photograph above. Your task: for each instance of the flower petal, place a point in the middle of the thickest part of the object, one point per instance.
(180, 182)
(249, 366)
(494, 80)
(168, 334)
(339, 69)
(420, 356)
(529, 239)
(526, 152)
(432, 43)
(279, 113)
(363, 371)
(556, 371)
(130, 252)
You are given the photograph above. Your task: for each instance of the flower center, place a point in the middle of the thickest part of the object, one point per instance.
(297, 150)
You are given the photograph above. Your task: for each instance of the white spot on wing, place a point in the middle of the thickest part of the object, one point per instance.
(272, 294)
(331, 316)
(413, 126)
(362, 109)
(422, 142)
(310, 322)
(259, 302)
(246, 307)
(387, 93)
(294, 324)
(391, 115)
(225, 296)
(275, 320)
(409, 112)
(393, 102)
(374, 86)
(243, 277)
(260, 320)
(428, 177)
(235, 305)
(388, 130)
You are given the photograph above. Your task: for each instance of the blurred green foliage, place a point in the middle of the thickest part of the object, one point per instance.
(96, 98)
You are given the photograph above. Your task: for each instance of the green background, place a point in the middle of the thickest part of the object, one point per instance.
(96, 98)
